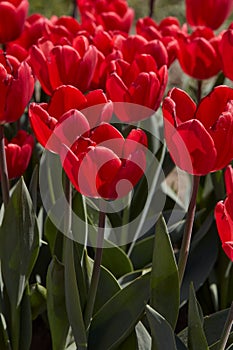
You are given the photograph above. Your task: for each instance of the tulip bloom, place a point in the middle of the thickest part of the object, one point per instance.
(224, 215)
(166, 31)
(111, 15)
(138, 83)
(63, 65)
(16, 86)
(12, 17)
(101, 163)
(44, 117)
(226, 52)
(198, 53)
(199, 138)
(208, 13)
(18, 153)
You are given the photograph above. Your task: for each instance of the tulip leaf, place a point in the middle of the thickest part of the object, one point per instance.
(38, 295)
(204, 253)
(119, 315)
(162, 334)
(142, 252)
(144, 338)
(106, 279)
(196, 336)
(19, 242)
(115, 260)
(25, 322)
(57, 315)
(213, 326)
(72, 298)
(164, 273)
(4, 338)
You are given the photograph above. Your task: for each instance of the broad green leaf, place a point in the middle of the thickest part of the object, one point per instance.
(33, 187)
(107, 286)
(38, 295)
(25, 322)
(114, 322)
(196, 336)
(163, 336)
(142, 253)
(164, 298)
(201, 260)
(129, 277)
(130, 342)
(57, 315)
(72, 298)
(116, 261)
(213, 326)
(144, 338)
(19, 242)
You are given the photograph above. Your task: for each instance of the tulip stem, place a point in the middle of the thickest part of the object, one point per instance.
(95, 272)
(151, 10)
(199, 90)
(226, 329)
(3, 168)
(185, 246)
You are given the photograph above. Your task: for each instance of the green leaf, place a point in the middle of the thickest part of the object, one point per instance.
(72, 297)
(4, 338)
(107, 287)
(196, 336)
(142, 253)
(106, 280)
(204, 253)
(144, 338)
(164, 299)
(115, 260)
(162, 334)
(25, 322)
(213, 326)
(19, 242)
(38, 295)
(130, 342)
(57, 315)
(114, 322)
(19, 247)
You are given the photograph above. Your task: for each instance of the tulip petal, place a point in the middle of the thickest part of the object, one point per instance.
(191, 147)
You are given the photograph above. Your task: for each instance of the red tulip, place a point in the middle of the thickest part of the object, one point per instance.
(226, 46)
(110, 14)
(12, 17)
(208, 13)
(198, 53)
(18, 153)
(138, 83)
(16, 86)
(135, 45)
(63, 65)
(199, 138)
(165, 31)
(65, 102)
(101, 163)
(224, 215)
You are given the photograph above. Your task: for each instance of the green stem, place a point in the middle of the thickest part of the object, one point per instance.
(96, 272)
(185, 246)
(151, 9)
(3, 168)
(226, 329)
(199, 90)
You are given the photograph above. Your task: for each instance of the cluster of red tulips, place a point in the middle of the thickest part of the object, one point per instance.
(96, 62)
